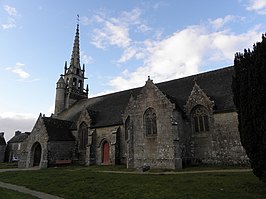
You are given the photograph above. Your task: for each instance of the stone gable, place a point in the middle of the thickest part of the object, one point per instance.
(156, 151)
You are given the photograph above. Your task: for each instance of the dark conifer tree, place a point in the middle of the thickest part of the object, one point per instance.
(249, 88)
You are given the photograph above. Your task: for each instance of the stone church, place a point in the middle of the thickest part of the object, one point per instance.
(169, 125)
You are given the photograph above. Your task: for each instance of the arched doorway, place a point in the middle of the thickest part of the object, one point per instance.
(105, 153)
(37, 152)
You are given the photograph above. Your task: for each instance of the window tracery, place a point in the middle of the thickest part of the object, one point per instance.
(83, 136)
(200, 118)
(150, 122)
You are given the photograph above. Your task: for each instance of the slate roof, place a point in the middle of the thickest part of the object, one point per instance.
(216, 85)
(107, 109)
(59, 130)
(19, 138)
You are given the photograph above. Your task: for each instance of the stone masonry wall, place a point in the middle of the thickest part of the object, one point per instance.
(226, 145)
(62, 150)
(156, 151)
(12, 152)
(108, 134)
(2, 153)
(182, 137)
(38, 135)
(122, 146)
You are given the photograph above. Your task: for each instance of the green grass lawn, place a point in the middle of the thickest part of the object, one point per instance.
(9, 194)
(90, 182)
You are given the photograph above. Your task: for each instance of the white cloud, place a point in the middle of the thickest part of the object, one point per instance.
(11, 10)
(100, 93)
(143, 28)
(136, 50)
(11, 122)
(128, 54)
(116, 31)
(158, 5)
(12, 14)
(11, 23)
(117, 35)
(85, 20)
(258, 6)
(111, 34)
(86, 59)
(220, 22)
(184, 53)
(169, 58)
(51, 108)
(227, 44)
(22, 116)
(17, 69)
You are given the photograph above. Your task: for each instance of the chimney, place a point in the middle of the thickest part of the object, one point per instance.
(2, 134)
(17, 133)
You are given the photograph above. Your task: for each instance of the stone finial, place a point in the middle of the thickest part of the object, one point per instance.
(83, 70)
(149, 80)
(17, 133)
(87, 89)
(65, 67)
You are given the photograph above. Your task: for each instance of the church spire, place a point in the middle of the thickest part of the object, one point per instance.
(75, 56)
(70, 87)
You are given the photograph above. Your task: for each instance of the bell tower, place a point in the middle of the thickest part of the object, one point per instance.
(70, 86)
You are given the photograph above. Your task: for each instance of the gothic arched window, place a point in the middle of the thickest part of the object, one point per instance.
(79, 84)
(74, 81)
(83, 136)
(150, 123)
(200, 119)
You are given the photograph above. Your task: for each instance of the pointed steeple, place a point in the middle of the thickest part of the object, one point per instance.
(70, 87)
(75, 56)
(74, 76)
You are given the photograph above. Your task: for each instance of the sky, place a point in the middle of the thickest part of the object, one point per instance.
(121, 44)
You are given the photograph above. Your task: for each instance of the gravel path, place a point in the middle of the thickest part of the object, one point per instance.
(28, 191)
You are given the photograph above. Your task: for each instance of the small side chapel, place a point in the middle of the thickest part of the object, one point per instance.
(168, 125)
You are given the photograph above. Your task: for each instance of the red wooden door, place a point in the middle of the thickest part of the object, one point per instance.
(106, 153)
